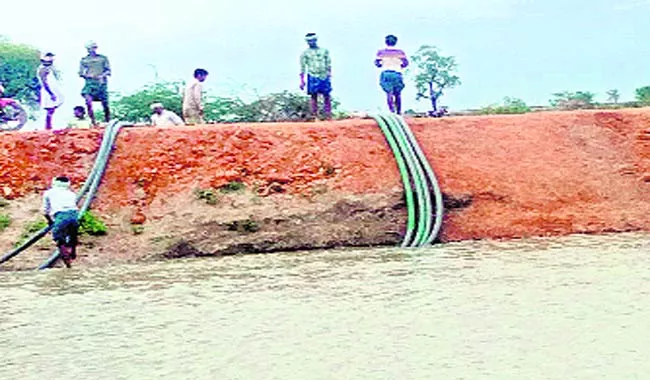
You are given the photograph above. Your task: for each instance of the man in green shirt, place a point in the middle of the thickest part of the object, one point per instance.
(315, 61)
(94, 68)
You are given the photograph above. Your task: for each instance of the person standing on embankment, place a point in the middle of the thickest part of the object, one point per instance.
(193, 98)
(392, 61)
(95, 70)
(316, 63)
(51, 95)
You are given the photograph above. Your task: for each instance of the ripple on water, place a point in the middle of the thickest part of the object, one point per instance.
(574, 307)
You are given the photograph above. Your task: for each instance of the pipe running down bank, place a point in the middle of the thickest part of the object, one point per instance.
(94, 179)
(88, 190)
(424, 219)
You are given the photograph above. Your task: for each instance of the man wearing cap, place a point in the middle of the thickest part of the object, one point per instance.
(51, 95)
(164, 118)
(316, 63)
(95, 69)
(60, 210)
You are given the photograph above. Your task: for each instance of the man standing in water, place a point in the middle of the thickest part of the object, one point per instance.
(95, 69)
(60, 210)
(392, 61)
(51, 96)
(316, 63)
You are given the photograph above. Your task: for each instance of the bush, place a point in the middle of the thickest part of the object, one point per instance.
(30, 229)
(509, 106)
(5, 221)
(573, 100)
(232, 187)
(207, 195)
(89, 224)
(281, 106)
(243, 226)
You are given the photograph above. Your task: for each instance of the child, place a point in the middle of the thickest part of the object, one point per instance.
(193, 98)
(60, 210)
(80, 121)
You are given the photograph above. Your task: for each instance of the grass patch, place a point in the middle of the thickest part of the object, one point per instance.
(89, 224)
(30, 229)
(243, 226)
(232, 187)
(137, 229)
(5, 221)
(208, 195)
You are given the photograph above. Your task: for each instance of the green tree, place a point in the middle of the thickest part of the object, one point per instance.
(223, 109)
(643, 95)
(18, 64)
(283, 106)
(613, 96)
(573, 100)
(509, 106)
(433, 74)
(136, 108)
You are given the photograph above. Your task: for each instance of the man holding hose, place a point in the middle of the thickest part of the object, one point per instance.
(60, 210)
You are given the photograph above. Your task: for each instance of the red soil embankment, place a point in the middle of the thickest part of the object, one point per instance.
(546, 173)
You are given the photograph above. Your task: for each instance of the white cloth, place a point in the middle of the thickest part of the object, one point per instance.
(166, 119)
(58, 199)
(52, 79)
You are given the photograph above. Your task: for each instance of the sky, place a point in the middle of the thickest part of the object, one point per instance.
(526, 49)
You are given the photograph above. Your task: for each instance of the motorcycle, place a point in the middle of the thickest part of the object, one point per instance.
(12, 115)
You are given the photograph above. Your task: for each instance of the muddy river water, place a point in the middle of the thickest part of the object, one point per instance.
(576, 307)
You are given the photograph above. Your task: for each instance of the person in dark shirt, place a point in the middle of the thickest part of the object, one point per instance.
(95, 69)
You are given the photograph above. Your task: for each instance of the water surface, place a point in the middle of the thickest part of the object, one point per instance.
(561, 308)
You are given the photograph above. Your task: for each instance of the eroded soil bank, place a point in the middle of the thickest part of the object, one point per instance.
(169, 192)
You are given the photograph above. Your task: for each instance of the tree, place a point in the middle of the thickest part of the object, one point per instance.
(136, 107)
(18, 65)
(573, 100)
(613, 96)
(283, 106)
(643, 95)
(433, 74)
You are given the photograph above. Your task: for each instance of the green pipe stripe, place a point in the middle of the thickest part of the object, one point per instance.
(408, 192)
(433, 182)
(417, 175)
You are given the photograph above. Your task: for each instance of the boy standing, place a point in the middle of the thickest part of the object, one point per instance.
(60, 210)
(392, 61)
(193, 98)
(316, 63)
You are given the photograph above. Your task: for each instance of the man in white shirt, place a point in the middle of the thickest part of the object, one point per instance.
(60, 209)
(164, 118)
